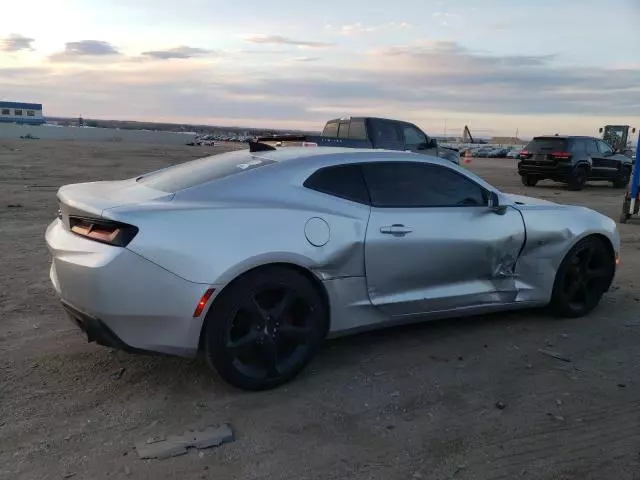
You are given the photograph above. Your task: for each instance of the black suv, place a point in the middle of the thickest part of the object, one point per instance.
(572, 160)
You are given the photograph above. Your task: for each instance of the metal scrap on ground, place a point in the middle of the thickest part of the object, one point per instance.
(176, 445)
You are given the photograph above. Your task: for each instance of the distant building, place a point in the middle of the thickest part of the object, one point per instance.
(18, 112)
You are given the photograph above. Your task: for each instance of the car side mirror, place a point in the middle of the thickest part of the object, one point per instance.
(600, 130)
(494, 204)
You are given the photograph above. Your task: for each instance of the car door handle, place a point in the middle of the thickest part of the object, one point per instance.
(396, 229)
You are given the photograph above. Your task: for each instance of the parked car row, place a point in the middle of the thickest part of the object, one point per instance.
(491, 151)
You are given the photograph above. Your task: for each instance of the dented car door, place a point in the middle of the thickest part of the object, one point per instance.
(443, 250)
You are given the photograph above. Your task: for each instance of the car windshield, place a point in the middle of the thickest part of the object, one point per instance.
(203, 170)
(538, 145)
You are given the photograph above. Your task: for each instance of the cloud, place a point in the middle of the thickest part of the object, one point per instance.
(445, 18)
(279, 40)
(85, 48)
(181, 52)
(305, 59)
(15, 43)
(356, 28)
(359, 28)
(424, 82)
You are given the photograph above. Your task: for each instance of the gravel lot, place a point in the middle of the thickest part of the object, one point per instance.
(410, 402)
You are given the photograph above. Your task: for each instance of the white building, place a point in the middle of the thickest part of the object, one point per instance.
(18, 112)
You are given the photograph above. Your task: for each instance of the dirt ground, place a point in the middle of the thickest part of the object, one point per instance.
(406, 403)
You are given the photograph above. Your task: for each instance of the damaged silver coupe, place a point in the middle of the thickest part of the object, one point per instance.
(252, 259)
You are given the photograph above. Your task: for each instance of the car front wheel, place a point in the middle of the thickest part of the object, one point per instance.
(529, 181)
(584, 275)
(265, 328)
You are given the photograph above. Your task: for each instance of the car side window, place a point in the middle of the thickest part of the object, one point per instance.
(417, 184)
(330, 129)
(357, 129)
(343, 130)
(385, 131)
(604, 148)
(591, 146)
(579, 145)
(412, 136)
(343, 181)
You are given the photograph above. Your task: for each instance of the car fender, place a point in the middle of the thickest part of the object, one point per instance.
(552, 230)
(584, 163)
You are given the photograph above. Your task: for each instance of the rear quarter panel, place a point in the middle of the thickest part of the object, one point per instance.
(213, 235)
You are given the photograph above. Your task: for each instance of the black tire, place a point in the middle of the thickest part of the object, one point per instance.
(578, 178)
(529, 181)
(584, 275)
(626, 205)
(623, 180)
(264, 328)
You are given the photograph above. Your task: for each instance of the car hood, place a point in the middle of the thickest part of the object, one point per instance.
(522, 200)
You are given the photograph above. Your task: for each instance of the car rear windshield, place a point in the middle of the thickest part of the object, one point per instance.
(203, 170)
(539, 145)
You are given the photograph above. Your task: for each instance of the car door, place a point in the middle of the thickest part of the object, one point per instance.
(605, 165)
(415, 140)
(385, 134)
(433, 244)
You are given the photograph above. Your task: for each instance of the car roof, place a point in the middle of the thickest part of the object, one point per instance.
(341, 155)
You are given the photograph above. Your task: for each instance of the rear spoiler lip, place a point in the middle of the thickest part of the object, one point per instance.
(256, 146)
(280, 138)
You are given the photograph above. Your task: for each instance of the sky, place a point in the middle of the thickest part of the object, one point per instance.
(498, 66)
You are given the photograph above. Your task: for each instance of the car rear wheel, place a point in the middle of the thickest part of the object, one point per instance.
(584, 275)
(578, 178)
(529, 181)
(623, 179)
(265, 328)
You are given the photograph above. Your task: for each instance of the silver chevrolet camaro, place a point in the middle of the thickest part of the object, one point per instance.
(252, 259)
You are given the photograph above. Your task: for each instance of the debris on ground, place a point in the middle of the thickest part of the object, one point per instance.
(556, 417)
(176, 445)
(118, 374)
(14, 205)
(622, 385)
(501, 405)
(69, 475)
(556, 355)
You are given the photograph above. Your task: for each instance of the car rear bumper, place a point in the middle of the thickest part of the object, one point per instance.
(97, 331)
(120, 299)
(559, 171)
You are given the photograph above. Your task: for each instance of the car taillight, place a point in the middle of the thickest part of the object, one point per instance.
(560, 154)
(524, 154)
(309, 144)
(103, 231)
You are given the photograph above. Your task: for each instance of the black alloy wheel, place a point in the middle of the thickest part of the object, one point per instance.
(265, 329)
(583, 277)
